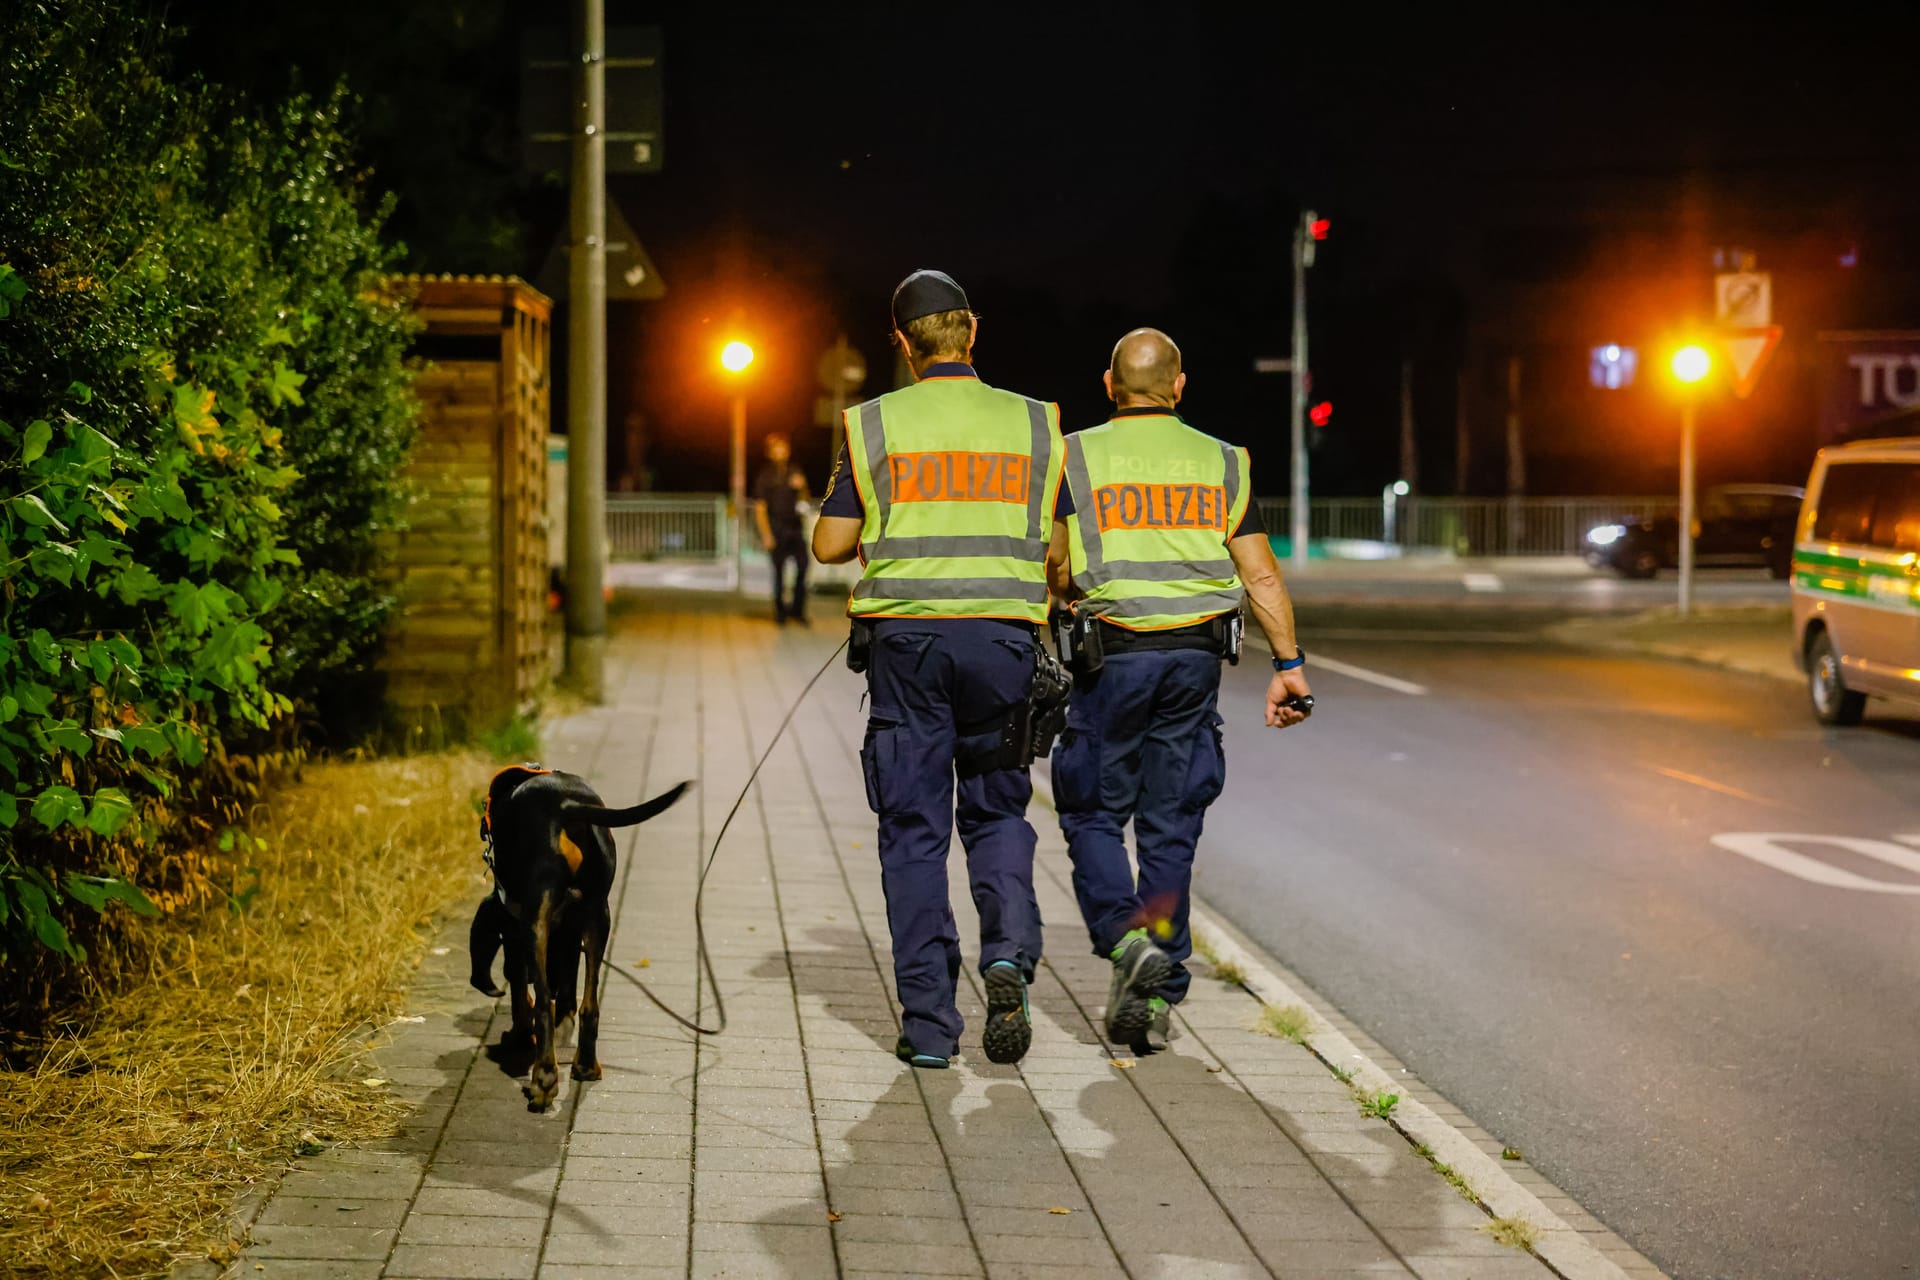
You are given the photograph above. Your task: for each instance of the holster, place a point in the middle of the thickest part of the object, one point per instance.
(1233, 631)
(859, 644)
(1033, 723)
(1077, 638)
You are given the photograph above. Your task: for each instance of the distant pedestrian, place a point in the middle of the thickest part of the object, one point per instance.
(1162, 543)
(947, 490)
(778, 492)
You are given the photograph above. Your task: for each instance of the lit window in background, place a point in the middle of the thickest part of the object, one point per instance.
(1613, 366)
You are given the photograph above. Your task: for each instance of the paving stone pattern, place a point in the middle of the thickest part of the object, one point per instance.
(795, 1145)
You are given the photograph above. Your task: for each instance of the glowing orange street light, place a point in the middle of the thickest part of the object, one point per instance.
(736, 356)
(1691, 364)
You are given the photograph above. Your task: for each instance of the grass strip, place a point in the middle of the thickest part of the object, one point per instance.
(126, 1144)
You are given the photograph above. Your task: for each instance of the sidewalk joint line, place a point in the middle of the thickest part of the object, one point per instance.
(873, 955)
(793, 985)
(576, 1090)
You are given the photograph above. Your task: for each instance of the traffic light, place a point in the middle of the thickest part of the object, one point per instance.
(1319, 227)
(1321, 414)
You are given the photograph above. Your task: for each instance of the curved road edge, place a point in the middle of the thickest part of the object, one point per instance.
(1561, 1246)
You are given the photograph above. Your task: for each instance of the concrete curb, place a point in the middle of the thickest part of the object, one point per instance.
(1559, 1245)
(1566, 1251)
(1683, 653)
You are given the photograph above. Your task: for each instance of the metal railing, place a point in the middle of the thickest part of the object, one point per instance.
(678, 526)
(694, 526)
(1465, 526)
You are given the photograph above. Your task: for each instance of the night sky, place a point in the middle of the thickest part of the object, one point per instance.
(1085, 170)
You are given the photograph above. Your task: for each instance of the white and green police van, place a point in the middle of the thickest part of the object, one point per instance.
(1856, 578)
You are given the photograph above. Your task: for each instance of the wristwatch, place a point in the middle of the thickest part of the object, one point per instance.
(1297, 661)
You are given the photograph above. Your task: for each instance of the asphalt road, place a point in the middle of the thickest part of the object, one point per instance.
(1509, 879)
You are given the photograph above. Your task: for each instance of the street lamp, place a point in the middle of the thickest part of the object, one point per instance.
(734, 358)
(1691, 365)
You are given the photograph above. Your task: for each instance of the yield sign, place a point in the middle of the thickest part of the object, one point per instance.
(1747, 353)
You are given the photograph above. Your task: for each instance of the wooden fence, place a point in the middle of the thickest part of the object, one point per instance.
(468, 645)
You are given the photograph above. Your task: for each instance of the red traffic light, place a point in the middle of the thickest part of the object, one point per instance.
(1321, 414)
(1319, 227)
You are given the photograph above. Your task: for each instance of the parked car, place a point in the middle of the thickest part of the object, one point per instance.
(1856, 578)
(1740, 526)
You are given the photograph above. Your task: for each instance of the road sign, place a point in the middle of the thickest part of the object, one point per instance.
(1743, 299)
(843, 370)
(1747, 351)
(634, 111)
(631, 275)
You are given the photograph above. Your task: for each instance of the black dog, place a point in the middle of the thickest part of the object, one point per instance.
(553, 864)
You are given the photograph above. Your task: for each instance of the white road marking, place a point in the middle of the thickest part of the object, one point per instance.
(1768, 848)
(1352, 672)
(1482, 582)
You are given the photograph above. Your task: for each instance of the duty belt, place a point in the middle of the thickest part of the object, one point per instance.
(1211, 636)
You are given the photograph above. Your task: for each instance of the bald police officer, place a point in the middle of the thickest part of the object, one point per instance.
(1158, 547)
(946, 491)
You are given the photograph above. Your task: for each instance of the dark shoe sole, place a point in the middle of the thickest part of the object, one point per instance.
(1008, 1031)
(1129, 1022)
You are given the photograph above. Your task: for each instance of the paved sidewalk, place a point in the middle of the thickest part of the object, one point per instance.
(1754, 640)
(795, 1146)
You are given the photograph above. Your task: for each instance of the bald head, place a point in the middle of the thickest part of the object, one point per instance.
(1145, 370)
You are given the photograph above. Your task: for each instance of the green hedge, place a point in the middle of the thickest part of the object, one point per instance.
(203, 412)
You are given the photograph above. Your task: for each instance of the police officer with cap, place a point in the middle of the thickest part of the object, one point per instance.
(946, 491)
(1162, 544)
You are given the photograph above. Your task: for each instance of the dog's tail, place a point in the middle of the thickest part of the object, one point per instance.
(573, 810)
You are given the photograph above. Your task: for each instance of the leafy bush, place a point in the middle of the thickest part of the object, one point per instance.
(202, 413)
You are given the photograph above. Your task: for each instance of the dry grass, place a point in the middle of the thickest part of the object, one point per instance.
(1515, 1233)
(126, 1145)
(1285, 1022)
(1230, 973)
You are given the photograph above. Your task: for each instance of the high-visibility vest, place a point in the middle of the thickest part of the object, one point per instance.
(1155, 503)
(958, 482)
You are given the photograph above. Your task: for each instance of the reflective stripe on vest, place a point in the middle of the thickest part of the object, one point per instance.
(939, 465)
(1169, 492)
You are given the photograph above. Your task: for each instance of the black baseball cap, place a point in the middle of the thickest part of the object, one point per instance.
(926, 293)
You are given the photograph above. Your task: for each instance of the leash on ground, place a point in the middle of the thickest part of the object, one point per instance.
(700, 892)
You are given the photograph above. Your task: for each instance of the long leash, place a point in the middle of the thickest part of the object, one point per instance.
(700, 891)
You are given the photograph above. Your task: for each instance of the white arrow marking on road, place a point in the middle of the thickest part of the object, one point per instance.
(1768, 849)
(1352, 672)
(1482, 582)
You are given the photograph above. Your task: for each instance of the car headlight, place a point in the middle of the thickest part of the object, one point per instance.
(1606, 535)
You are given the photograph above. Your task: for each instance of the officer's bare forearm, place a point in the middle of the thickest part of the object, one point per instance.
(1059, 570)
(1266, 591)
(836, 539)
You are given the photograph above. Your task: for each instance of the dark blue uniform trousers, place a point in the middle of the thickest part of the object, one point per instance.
(941, 695)
(1142, 744)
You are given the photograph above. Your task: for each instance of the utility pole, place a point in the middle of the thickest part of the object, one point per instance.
(587, 365)
(1516, 457)
(1409, 450)
(1688, 426)
(1462, 436)
(1305, 232)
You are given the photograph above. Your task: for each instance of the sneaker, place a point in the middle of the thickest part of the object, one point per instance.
(1009, 1017)
(1159, 1034)
(1139, 968)
(927, 1061)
